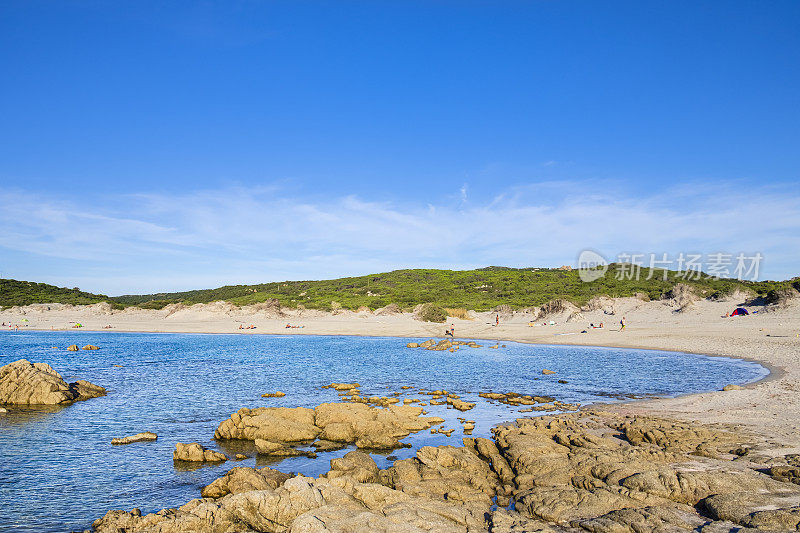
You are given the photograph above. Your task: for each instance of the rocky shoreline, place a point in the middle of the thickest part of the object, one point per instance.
(591, 471)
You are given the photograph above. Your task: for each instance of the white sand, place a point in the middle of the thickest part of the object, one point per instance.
(770, 407)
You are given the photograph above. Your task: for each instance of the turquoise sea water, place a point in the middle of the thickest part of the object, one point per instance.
(58, 470)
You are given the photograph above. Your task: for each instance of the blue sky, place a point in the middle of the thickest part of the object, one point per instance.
(148, 146)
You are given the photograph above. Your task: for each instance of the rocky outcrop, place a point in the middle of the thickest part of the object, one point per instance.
(26, 383)
(587, 472)
(360, 424)
(244, 479)
(195, 453)
(147, 436)
(91, 347)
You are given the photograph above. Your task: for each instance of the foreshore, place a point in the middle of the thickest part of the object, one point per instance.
(770, 407)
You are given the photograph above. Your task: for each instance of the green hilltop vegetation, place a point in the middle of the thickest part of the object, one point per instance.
(480, 290)
(13, 292)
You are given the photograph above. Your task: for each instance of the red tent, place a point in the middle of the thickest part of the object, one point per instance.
(740, 311)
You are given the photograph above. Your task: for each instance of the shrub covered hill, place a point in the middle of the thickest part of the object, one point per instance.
(480, 289)
(13, 292)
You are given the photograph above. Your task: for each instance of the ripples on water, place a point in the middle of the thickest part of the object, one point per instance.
(58, 470)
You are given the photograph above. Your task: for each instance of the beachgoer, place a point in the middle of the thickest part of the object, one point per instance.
(497, 320)
(622, 324)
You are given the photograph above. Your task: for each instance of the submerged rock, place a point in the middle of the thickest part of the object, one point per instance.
(277, 394)
(26, 383)
(194, 452)
(342, 386)
(147, 436)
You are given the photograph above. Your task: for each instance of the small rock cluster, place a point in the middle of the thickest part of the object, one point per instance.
(443, 345)
(536, 403)
(195, 453)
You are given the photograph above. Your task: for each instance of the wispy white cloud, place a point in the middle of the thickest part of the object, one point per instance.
(205, 238)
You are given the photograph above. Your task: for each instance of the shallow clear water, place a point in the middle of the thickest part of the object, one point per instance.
(58, 470)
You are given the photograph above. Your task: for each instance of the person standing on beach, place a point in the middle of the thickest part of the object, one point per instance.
(497, 320)
(622, 324)
(452, 330)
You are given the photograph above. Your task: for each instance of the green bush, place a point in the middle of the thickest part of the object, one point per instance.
(154, 304)
(432, 313)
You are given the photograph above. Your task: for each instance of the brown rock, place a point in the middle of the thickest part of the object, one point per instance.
(243, 479)
(460, 404)
(194, 452)
(26, 383)
(357, 465)
(147, 436)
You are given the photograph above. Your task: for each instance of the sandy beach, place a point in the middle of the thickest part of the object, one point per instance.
(770, 408)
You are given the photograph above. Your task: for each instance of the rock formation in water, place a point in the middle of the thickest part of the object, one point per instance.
(147, 436)
(244, 479)
(194, 452)
(26, 383)
(587, 472)
(359, 424)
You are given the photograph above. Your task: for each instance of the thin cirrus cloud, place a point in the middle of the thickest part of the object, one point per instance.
(157, 242)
